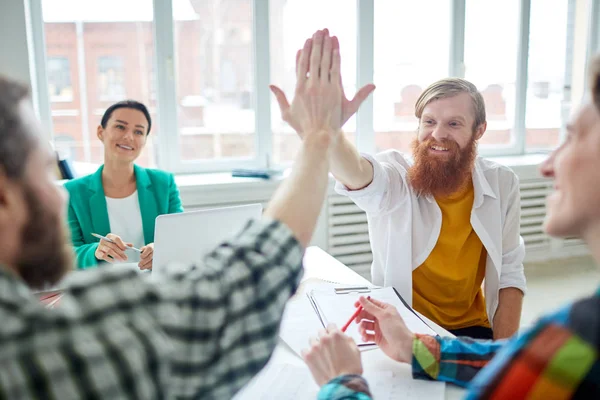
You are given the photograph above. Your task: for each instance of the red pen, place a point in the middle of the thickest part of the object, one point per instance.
(358, 310)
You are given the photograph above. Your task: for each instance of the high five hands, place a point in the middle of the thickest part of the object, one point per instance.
(318, 73)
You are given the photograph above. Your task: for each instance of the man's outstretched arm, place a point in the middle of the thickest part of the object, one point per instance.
(234, 303)
(347, 165)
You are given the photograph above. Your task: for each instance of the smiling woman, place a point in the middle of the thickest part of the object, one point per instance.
(120, 200)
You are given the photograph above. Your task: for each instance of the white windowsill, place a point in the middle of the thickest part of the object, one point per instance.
(221, 187)
(212, 188)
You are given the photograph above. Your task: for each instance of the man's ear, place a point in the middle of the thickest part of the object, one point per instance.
(10, 197)
(480, 130)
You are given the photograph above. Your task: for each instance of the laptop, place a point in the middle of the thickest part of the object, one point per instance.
(183, 239)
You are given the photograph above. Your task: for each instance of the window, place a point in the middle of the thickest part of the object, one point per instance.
(206, 69)
(96, 55)
(491, 48)
(215, 84)
(404, 68)
(59, 79)
(291, 23)
(111, 79)
(546, 78)
(65, 146)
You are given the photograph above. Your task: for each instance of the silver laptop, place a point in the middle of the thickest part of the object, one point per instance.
(181, 240)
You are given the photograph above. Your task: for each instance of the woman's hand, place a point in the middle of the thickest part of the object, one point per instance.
(112, 252)
(381, 323)
(146, 256)
(333, 354)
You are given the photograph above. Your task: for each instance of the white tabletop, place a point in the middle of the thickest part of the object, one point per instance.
(320, 265)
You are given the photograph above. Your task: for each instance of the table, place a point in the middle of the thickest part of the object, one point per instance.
(320, 265)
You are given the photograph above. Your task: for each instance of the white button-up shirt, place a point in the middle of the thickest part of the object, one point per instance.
(404, 228)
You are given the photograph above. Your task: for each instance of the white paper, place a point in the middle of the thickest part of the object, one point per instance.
(286, 381)
(388, 385)
(281, 381)
(337, 309)
(299, 323)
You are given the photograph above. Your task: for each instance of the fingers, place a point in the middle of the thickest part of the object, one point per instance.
(360, 97)
(326, 59)
(332, 328)
(145, 264)
(335, 45)
(313, 341)
(147, 252)
(322, 334)
(303, 62)
(282, 100)
(379, 303)
(368, 337)
(364, 315)
(334, 73)
(315, 58)
(366, 325)
(112, 250)
(298, 54)
(110, 255)
(371, 306)
(101, 255)
(118, 241)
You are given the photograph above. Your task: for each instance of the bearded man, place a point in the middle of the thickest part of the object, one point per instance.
(441, 226)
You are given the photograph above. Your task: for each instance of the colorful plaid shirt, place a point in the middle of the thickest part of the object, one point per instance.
(201, 333)
(556, 359)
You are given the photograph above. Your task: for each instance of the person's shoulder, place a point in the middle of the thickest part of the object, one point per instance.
(78, 184)
(159, 175)
(504, 172)
(584, 319)
(394, 156)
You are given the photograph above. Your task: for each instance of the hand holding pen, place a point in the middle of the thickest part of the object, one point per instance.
(112, 248)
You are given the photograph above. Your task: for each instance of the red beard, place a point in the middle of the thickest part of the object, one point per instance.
(441, 176)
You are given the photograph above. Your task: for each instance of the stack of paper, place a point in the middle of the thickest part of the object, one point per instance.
(317, 305)
(337, 308)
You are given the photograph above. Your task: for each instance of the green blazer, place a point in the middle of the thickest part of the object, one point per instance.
(88, 213)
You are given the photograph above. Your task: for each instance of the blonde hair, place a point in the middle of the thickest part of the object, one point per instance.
(450, 87)
(595, 81)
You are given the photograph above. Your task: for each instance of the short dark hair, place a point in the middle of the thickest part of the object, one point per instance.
(16, 143)
(136, 105)
(595, 81)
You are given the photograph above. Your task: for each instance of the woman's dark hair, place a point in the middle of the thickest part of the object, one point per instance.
(136, 105)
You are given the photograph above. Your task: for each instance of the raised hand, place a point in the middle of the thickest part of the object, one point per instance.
(348, 107)
(381, 323)
(317, 103)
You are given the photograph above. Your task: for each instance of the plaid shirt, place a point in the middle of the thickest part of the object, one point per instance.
(556, 359)
(202, 333)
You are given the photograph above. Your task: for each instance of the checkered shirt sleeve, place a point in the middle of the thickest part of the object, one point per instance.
(199, 333)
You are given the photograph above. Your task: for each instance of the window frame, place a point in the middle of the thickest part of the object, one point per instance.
(168, 142)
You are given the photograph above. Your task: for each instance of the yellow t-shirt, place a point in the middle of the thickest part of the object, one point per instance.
(447, 286)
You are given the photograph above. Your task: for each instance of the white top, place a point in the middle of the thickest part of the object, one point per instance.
(125, 219)
(404, 227)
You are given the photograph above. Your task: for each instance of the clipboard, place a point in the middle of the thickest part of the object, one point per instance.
(336, 305)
